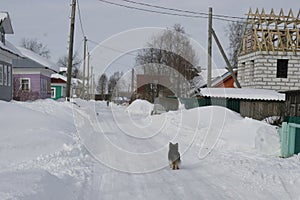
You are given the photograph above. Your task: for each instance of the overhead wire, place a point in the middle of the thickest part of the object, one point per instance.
(80, 18)
(191, 14)
(180, 10)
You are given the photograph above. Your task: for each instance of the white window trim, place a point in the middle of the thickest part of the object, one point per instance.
(29, 84)
(54, 92)
(5, 75)
(1, 71)
(9, 75)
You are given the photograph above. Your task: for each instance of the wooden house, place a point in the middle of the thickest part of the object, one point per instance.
(7, 53)
(224, 81)
(292, 103)
(32, 76)
(151, 86)
(59, 85)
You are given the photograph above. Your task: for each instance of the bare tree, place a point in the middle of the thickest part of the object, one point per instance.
(235, 31)
(35, 46)
(63, 62)
(173, 49)
(112, 83)
(102, 84)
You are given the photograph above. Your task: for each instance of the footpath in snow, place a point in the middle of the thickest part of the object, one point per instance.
(61, 150)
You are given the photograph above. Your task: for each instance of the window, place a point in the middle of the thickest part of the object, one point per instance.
(282, 68)
(1, 74)
(241, 71)
(53, 92)
(251, 73)
(25, 84)
(5, 75)
(9, 75)
(44, 86)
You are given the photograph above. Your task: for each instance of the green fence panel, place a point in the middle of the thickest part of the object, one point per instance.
(284, 140)
(292, 119)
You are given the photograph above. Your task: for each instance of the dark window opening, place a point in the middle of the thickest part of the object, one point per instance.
(282, 68)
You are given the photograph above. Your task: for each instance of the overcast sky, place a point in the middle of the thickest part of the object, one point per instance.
(48, 21)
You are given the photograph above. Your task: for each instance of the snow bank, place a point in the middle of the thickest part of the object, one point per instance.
(29, 130)
(267, 141)
(140, 107)
(230, 131)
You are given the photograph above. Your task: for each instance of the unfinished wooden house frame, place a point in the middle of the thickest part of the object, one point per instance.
(269, 56)
(271, 32)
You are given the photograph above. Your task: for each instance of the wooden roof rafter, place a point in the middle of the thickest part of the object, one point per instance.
(271, 32)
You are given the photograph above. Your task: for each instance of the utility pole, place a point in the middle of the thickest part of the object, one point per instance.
(92, 81)
(132, 81)
(88, 76)
(72, 27)
(209, 50)
(226, 59)
(84, 61)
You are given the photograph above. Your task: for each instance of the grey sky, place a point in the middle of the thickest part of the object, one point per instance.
(48, 21)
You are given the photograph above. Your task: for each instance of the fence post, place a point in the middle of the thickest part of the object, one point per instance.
(284, 141)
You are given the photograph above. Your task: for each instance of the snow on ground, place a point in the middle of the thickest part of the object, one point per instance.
(88, 150)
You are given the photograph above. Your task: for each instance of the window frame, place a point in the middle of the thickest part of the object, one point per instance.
(282, 72)
(21, 84)
(9, 75)
(4, 75)
(53, 95)
(1, 74)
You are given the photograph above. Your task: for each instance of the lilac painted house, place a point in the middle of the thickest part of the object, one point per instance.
(32, 76)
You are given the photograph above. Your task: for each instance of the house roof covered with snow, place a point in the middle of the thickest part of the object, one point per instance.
(10, 48)
(37, 59)
(74, 81)
(5, 23)
(242, 93)
(201, 80)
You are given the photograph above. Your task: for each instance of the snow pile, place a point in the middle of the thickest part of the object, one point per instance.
(140, 107)
(228, 131)
(40, 155)
(267, 141)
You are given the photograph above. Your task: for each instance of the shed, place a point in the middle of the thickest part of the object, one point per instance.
(292, 103)
(249, 102)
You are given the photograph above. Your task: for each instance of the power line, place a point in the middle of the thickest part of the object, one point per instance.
(152, 11)
(181, 10)
(113, 49)
(218, 17)
(80, 19)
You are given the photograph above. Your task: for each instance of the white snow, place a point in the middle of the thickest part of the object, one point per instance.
(39, 59)
(243, 93)
(10, 48)
(88, 150)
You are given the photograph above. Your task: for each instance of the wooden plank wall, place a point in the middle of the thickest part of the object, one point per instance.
(261, 109)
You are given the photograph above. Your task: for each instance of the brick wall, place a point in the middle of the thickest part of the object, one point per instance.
(259, 70)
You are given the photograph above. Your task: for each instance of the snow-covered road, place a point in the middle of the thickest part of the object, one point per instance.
(89, 151)
(221, 175)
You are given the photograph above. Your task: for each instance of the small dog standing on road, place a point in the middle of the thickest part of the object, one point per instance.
(174, 156)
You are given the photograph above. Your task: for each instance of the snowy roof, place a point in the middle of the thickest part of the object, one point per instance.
(214, 73)
(221, 78)
(6, 23)
(59, 76)
(10, 48)
(201, 80)
(75, 81)
(63, 69)
(39, 59)
(242, 93)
